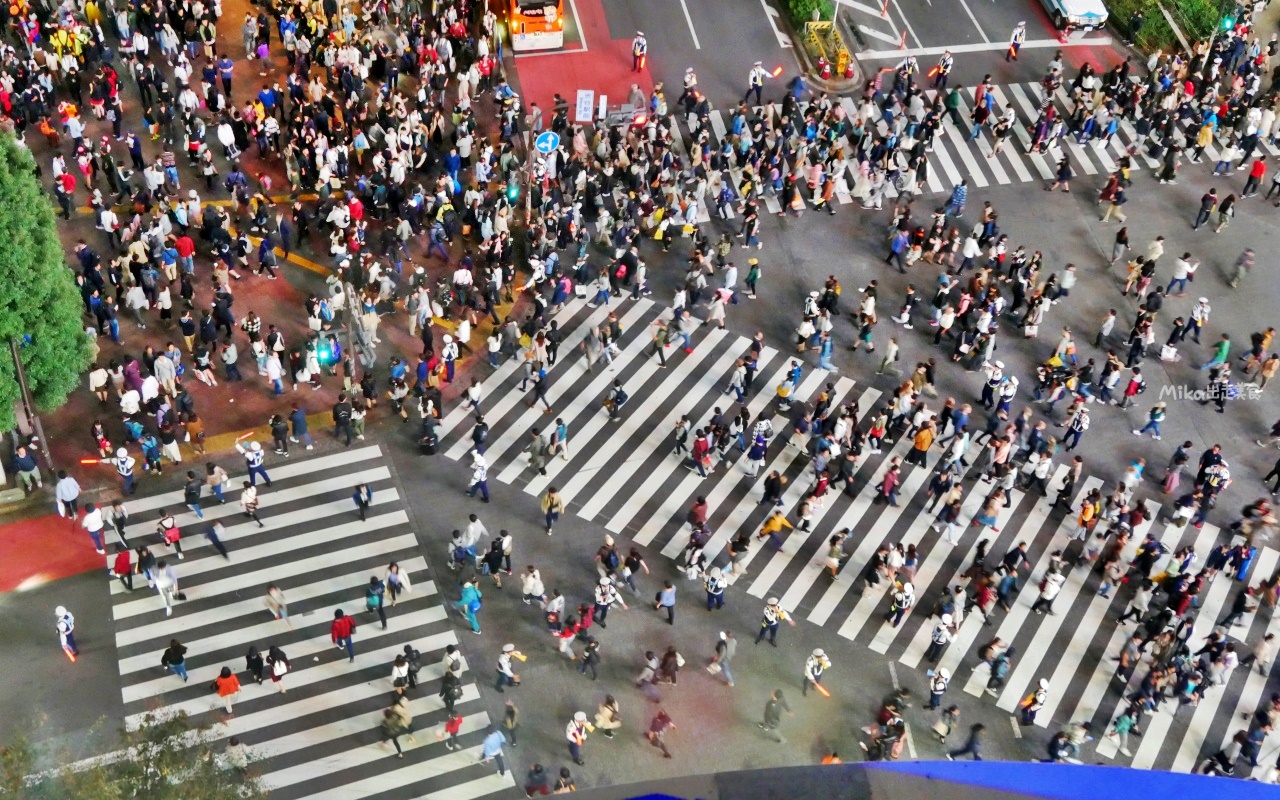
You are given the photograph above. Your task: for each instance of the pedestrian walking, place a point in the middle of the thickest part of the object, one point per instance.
(774, 708)
(277, 666)
(249, 502)
(665, 599)
(396, 722)
(227, 685)
(552, 507)
(175, 659)
(93, 524)
(609, 716)
(658, 731)
(363, 498)
(275, 602)
(341, 632)
(726, 648)
(375, 595)
(479, 476)
(972, 746)
(469, 605)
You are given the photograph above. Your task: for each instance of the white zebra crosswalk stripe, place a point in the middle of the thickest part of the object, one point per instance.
(358, 757)
(1104, 673)
(719, 493)
(509, 367)
(191, 526)
(958, 140)
(654, 525)
(747, 505)
(1206, 710)
(1029, 112)
(853, 624)
(1155, 728)
(1017, 616)
(321, 736)
(653, 510)
(595, 505)
(872, 596)
(831, 598)
(280, 471)
(1086, 627)
(943, 159)
(969, 626)
(1254, 687)
(799, 539)
(506, 402)
(518, 434)
(1157, 725)
(1041, 642)
(276, 571)
(800, 586)
(601, 420)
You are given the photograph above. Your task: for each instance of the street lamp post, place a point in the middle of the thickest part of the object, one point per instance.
(28, 406)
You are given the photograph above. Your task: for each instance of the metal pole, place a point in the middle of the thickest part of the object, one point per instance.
(28, 406)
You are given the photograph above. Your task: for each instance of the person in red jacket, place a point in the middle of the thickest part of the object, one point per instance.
(452, 724)
(1256, 171)
(341, 630)
(122, 568)
(701, 453)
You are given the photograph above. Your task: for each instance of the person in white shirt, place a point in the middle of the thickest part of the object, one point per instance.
(130, 402)
(93, 523)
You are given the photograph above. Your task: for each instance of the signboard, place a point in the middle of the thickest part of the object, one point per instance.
(586, 106)
(546, 142)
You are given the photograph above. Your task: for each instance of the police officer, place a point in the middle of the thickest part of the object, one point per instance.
(773, 614)
(715, 585)
(939, 639)
(944, 69)
(253, 460)
(506, 672)
(814, 666)
(605, 596)
(755, 82)
(66, 627)
(124, 468)
(1016, 39)
(938, 683)
(639, 49)
(995, 376)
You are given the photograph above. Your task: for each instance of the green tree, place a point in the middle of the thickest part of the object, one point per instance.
(39, 302)
(166, 758)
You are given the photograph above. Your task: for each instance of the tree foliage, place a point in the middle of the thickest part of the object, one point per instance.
(166, 758)
(39, 302)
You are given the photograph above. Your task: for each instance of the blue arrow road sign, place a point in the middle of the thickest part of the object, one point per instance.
(546, 142)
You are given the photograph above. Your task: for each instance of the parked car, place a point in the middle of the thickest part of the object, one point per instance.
(1076, 15)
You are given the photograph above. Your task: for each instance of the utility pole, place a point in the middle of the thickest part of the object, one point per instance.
(28, 406)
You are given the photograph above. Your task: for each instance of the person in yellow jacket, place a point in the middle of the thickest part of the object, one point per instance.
(772, 528)
(552, 506)
(923, 441)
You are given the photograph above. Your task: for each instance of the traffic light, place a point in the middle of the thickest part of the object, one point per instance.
(1228, 22)
(513, 189)
(324, 352)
